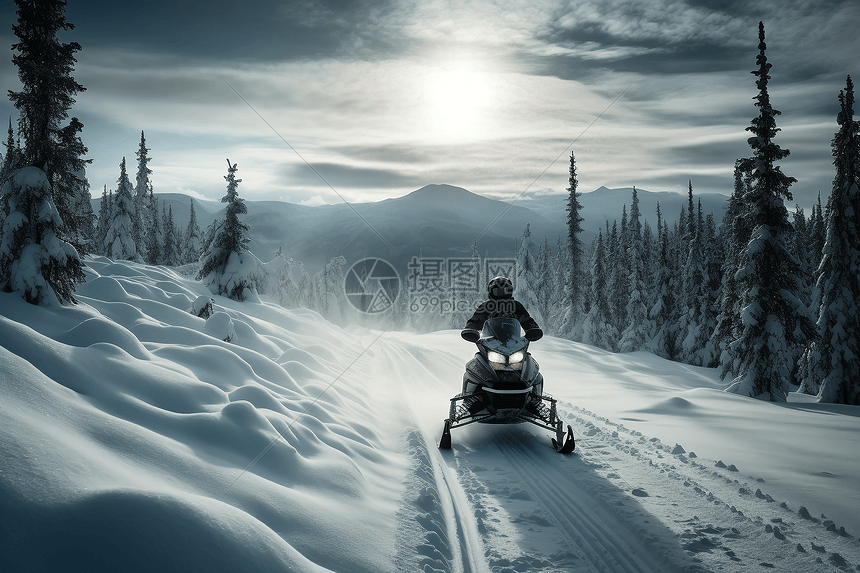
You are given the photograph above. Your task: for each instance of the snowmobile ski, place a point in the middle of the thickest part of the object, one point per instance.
(445, 442)
(561, 445)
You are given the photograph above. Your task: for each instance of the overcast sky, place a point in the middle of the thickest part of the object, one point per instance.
(383, 97)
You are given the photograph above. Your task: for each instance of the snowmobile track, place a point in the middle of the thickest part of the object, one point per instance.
(722, 518)
(593, 529)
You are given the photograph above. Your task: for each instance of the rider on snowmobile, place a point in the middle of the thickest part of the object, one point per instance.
(501, 305)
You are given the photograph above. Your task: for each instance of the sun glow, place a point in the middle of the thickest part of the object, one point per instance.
(458, 100)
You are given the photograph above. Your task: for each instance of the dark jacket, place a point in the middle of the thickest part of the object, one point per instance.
(501, 308)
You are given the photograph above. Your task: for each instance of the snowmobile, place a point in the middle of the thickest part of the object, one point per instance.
(503, 385)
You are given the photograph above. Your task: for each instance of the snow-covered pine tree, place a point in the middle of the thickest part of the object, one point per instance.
(142, 194)
(839, 279)
(119, 239)
(192, 239)
(227, 266)
(37, 258)
(773, 318)
(34, 261)
(575, 285)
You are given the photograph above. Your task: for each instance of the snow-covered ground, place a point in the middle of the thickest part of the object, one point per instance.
(133, 438)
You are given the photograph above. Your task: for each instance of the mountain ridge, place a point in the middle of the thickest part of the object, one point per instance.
(437, 220)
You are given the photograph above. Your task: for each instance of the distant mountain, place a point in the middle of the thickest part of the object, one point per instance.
(434, 221)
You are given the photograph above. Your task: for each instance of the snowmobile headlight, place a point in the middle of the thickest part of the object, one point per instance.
(497, 360)
(515, 360)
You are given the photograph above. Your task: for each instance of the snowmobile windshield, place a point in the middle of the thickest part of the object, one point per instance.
(503, 335)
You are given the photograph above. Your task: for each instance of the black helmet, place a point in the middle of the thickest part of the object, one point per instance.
(500, 287)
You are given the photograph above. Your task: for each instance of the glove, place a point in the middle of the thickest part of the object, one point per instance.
(470, 334)
(534, 334)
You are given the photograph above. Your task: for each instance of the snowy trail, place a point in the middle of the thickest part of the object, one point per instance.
(594, 530)
(624, 502)
(512, 502)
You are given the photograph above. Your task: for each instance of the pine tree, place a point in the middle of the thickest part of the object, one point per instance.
(34, 262)
(44, 69)
(773, 318)
(142, 193)
(839, 280)
(119, 239)
(227, 264)
(575, 286)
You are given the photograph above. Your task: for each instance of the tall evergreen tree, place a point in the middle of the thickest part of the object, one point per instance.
(575, 286)
(142, 193)
(773, 318)
(227, 264)
(839, 279)
(40, 207)
(119, 239)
